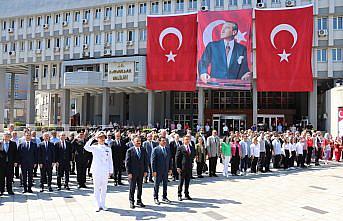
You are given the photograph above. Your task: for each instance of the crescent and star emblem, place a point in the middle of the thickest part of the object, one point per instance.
(178, 34)
(290, 29)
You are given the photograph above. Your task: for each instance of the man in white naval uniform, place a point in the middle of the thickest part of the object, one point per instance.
(102, 167)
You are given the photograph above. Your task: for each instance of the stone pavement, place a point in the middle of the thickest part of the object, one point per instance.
(312, 194)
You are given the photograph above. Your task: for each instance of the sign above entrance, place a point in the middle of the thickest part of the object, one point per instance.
(121, 72)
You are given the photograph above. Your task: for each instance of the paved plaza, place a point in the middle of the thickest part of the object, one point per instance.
(312, 194)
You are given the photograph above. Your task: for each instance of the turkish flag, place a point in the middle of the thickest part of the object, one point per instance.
(171, 52)
(284, 49)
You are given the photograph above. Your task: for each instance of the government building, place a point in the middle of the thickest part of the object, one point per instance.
(66, 50)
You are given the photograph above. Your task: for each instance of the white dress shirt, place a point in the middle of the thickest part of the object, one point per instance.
(231, 45)
(255, 150)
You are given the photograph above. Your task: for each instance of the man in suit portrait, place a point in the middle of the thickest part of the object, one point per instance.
(226, 57)
(46, 161)
(136, 163)
(149, 145)
(173, 147)
(63, 153)
(118, 156)
(161, 167)
(8, 159)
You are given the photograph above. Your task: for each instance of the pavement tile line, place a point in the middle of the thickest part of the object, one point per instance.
(315, 210)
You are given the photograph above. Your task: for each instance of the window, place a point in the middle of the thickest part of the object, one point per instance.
(39, 44)
(57, 42)
(36, 71)
(22, 46)
(321, 55)
(4, 25)
(67, 41)
(30, 22)
(119, 36)
(97, 13)
(167, 6)
(57, 18)
(119, 12)
(338, 23)
(86, 14)
(47, 19)
(276, 1)
(12, 24)
(5, 48)
(45, 71)
(246, 2)
(131, 10)
(77, 40)
(142, 8)
(180, 5)
(39, 21)
(131, 35)
(154, 7)
(86, 39)
(192, 4)
(77, 16)
(108, 37)
(219, 3)
(336, 54)
(13, 46)
(233, 2)
(54, 70)
(30, 45)
(21, 25)
(108, 12)
(322, 23)
(97, 39)
(142, 35)
(67, 17)
(48, 45)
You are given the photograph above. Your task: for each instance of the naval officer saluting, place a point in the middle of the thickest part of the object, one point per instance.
(102, 167)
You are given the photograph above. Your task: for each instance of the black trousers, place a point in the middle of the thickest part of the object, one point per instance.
(174, 169)
(304, 158)
(63, 170)
(6, 176)
(267, 162)
(261, 161)
(300, 160)
(185, 178)
(161, 178)
(244, 163)
(293, 158)
(213, 165)
(35, 170)
(81, 168)
(16, 172)
(254, 165)
(286, 160)
(27, 174)
(309, 155)
(200, 166)
(117, 174)
(136, 181)
(46, 175)
(318, 155)
(277, 159)
(149, 173)
(235, 164)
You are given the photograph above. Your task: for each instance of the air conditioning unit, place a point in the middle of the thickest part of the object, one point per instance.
(261, 5)
(86, 54)
(85, 46)
(46, 26)
(204, 8)
(57, 49)
(107, 52)
(129, 43)
(38, 51)
(11, 53)
(84, 21)
(322, 32)
(66, 47)
(106, 18)
(290, 3)
(64, 23)
(10, 30)
(107, 44)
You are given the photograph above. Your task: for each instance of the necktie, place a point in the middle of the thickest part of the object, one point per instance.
(117, 142)
(63, 146)
(46, 145)
(163, 151)
(188, 150)
(227, 49)
(6, 147)
(139, 153)
(28, 145)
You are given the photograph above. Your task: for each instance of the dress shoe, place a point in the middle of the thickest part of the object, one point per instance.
(115, 184)
(151, 180)
(157, 202)
(132, 206)
(121, 184)
(24, 191)
(10, 193)
(41, 190)
(166, 200)
(79, 186)
(180, 198)
(192, 177)
(215, 175)
(200, 176)
(84, 186)
(66, 187)
(59, 188)
(30, 191)
(50, 189)
(1, 193)
(188, 197)
(104, 208)
(97, 210)
(210, 175)
(140, 204)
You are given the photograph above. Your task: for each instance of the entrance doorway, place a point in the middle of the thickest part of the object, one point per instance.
(233, 122)
(269, 121)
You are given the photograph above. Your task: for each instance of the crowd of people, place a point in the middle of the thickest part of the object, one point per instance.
(153, 156)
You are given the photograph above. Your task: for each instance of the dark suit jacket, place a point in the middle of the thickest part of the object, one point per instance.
(161, 163)
(184, 159)
(46, 156)
(118, 154)
(149, 148)
(81, 155)
(134, 165)
(173, 147)
(27, 158)
(215, 56)
(11, 156)
(63, 155)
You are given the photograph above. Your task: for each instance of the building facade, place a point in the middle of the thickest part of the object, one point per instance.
(70, 50)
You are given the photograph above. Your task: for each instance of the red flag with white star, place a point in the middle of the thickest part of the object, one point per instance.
(284, 49)
(171, 52)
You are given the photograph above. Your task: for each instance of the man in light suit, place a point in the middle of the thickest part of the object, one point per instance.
(161, 166)
(213, 148)
(46, 160)
(227, 58)
(149, 145)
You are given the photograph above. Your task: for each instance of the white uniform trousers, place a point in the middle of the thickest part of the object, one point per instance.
(226, 165)
(100, 182)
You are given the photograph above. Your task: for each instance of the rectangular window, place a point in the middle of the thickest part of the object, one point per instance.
(142, 35)
(30, 22)
(119, 36)
(30, 45)
(219, 3)
(22, 46)
(131, 35)
(86, 39)
(119, 12)
(246, 2)
(154, 7)
(322, 23)
(108, 37)
(131, 10)
(97, 13)
(57, 18)
(48, 45)
(45, 71)
(321, 55)
(21, 23)
(338, 23)
(336, 54)
(276, 1)
(67, 17)
(77, 16)
(86, 14)
(108, 12)
(67, 41)
(167, 6)
(39, 45)
(54, 70)
(4, 25)
(12, 24)
(233, 2)
(39, 21)
(36, 71)
(47, 19)
(142, 8)
(97, 39)
(5, 48)
(77, 40)
(57, 42)
(180, 5)
(13, 46)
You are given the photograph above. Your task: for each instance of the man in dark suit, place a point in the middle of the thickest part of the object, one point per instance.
(63, 151)
(161, 166)
(81, 159)
(118, 153)
(137, 168)
(46, 161)
(149, 145)
(173, 147)
(8, 159)
(227, 58)
(184, 162)
(27, 159)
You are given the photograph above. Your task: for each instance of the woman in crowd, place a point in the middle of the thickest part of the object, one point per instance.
(293, 151)
(235, 157)
(200, 157)
(286, 146)
(255, 154)
(226, 155)
(338, 148)
(326, 148)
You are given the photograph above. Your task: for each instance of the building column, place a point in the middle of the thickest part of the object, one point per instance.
(85, 109)
(105, 106)
(167, 103)
(312, 105)
(31, 107)
(55, 109)
(151, 108)
(201, 106)
(122, 108)
(3, 98)
(254, 102)
(65, 111)
(12, 98)
(51, 109)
